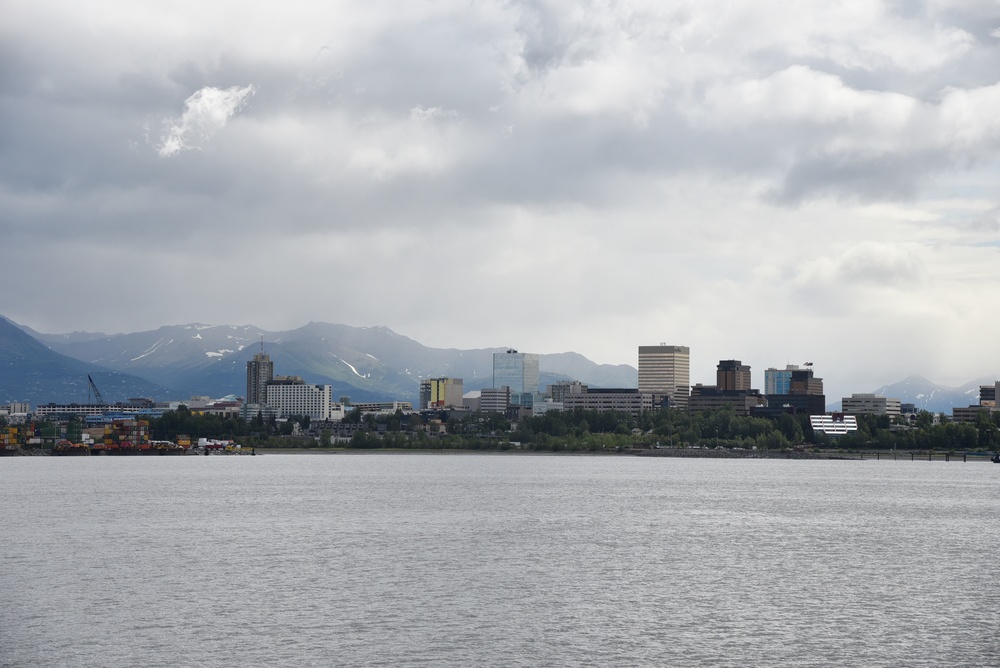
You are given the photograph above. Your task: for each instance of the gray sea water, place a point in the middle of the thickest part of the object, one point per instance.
(468, 560)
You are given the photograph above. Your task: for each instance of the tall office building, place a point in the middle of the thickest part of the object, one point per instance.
(260, 371)
(519, 372)
(779, 381)
(803, 382)
(666, 371)
(732, 375)
(804, 391)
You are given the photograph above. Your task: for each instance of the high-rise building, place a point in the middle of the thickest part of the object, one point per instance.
(779, 381)
(666, 371)
(519, 372)
(260, 371)
(440, 393)
(803, 382)
(804, 394)
(732, 375)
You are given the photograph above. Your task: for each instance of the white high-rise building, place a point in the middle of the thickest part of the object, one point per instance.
(294, 397)
(666, 371)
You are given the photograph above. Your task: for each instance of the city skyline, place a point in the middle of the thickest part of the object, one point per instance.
(769, 183)
(168, 346)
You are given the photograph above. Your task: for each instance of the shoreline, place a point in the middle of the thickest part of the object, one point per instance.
(685, 453)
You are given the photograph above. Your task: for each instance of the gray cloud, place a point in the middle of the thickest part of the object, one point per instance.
(672, 168)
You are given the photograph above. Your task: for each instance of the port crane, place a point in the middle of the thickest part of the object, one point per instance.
(97, 393)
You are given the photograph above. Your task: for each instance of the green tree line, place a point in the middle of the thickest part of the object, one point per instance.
(588, 430)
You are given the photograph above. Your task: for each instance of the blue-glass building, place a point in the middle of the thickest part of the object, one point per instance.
(519, 372)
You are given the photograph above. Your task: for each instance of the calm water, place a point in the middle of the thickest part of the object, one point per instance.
(409, 560)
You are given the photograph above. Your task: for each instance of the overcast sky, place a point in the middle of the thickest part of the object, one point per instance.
(768, 181)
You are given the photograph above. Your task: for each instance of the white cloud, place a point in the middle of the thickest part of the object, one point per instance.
(634, 172)
(206, 112)
(419, 113)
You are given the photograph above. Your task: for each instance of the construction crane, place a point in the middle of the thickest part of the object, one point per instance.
(97, 393)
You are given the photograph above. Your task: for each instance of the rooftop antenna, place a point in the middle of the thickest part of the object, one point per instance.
(262, 344)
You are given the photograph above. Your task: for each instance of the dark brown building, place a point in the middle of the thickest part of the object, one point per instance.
(732, 375)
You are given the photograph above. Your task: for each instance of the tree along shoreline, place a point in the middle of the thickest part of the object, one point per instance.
(592, 431)
(581, 431)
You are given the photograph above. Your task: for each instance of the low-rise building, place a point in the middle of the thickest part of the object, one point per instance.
(968, 413)
(53, 410)
(495, 399)
(834, 424)
(710, 397)
(543, 407)
(623, 400)
(987, 402)
(557, 391)
(383, 407)
(870, 404)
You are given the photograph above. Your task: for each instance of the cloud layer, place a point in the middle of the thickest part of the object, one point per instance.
(774, 182)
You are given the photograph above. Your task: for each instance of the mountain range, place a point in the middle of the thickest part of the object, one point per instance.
(180, 361)
(176, 362)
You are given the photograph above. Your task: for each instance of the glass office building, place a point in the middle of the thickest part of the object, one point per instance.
(519, 372)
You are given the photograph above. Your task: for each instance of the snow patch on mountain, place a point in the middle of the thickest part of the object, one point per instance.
(351, 367)
(150, 350)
